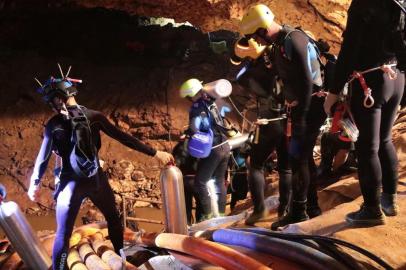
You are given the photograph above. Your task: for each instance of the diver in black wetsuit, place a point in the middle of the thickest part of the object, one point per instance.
(271, 137)
(72, 189)
(299, 74)
(369, 43)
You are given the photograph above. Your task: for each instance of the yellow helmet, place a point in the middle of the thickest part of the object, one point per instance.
(250, 48)
(259, 16)
(190, 88)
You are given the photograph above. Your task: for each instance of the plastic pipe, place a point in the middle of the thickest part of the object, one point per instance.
(213, 253)
(291, 251)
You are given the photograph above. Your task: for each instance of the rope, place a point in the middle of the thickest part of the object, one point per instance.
(238, 111)
(382, 67)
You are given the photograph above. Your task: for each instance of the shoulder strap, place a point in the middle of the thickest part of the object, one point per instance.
(284, 43)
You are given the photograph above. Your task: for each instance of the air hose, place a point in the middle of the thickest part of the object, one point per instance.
(318, 238)
(292, 251)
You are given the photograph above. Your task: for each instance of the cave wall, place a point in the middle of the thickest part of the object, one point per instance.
(326, 19)
(130, 73)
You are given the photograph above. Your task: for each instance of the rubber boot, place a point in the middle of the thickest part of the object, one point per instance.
(285, 193)
(256, 216)
(389, 205)
(205, 217)
(313, 209)
(257, 183)
(297, 213)
(327, 157)
(366, 216)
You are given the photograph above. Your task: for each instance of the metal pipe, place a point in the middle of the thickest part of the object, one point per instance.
(173, 198)
(142, 200)
(145, 220)
(22, 237)
(238, 141)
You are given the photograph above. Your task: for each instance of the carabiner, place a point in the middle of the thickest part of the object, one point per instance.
(368, 101)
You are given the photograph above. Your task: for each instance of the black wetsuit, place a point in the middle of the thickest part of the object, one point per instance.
(307, 116)
(72, 190)
(367, 44)
(271, 136)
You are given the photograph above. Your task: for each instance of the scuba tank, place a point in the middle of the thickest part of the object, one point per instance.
(21, 235)
(173, 198)
(239, 140)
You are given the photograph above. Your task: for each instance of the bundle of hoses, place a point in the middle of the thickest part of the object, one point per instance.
(312, 251)
(211, 252)
(89, 250)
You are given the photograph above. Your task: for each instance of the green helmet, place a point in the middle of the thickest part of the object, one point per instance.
(190, 88)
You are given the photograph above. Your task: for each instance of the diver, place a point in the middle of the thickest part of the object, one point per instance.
(74, 135)
(208, 142)
(371, 65)
(270, 135)
(294, 59)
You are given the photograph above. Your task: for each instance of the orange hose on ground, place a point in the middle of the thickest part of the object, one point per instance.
(147, 239)
(211, 252)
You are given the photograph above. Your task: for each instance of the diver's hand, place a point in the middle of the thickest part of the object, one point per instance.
(329, 102)
(34, 192)
(164, 157)
(261, 121)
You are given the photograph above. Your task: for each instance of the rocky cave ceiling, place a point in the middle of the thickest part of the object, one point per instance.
(325, 18)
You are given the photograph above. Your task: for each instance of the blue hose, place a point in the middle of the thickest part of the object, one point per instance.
(291, 251)
(317, 238)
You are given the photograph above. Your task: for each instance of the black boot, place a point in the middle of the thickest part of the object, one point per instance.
(389, 205)
(313, 209)
(285, 193)
(366, 216)
(327, 156)
(297, 213)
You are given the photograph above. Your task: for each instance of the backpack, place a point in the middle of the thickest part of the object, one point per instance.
(83, 158)
(315, 51)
